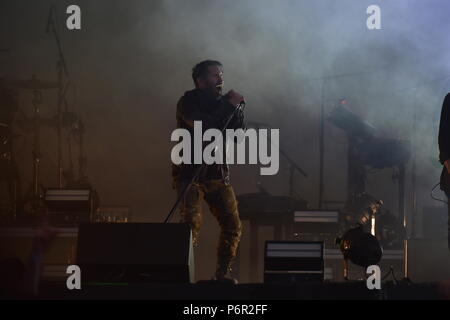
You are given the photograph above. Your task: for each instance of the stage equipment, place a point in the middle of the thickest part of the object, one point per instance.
(8, 168)
(135, 253)
(293, 166)
(121, 214)
(380, 153)
(263, 209)
(293, 262)
(69, 206)
(346, 120)
(365, 149)
(316, 222)
(361, 248)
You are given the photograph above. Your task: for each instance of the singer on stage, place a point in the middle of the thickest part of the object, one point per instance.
(207, 104)
(444, 152)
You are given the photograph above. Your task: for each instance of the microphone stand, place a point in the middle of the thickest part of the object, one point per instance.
(61, 68)
(292, 167)
(200, 168)
(292, 164)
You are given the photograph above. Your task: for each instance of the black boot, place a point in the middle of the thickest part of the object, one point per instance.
(221, 275)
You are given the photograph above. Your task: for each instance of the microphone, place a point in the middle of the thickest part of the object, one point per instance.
(241, 105)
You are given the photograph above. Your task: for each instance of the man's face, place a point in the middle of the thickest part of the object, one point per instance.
(213, 81)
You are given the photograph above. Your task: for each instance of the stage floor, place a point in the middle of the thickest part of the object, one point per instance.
(277, 292)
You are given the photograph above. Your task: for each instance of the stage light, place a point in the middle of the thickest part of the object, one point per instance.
(363, 210)
(346, 120)
(360, 247)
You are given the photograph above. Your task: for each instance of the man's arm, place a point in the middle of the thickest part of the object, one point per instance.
(444, 134)
(237, 122)
(188, 112)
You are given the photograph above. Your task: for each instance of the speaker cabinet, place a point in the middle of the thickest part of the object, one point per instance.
(293, 262)
(135, 252)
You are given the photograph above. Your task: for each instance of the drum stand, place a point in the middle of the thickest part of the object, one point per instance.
(35, 197)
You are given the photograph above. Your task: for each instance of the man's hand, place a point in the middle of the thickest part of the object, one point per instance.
(235, 98)
(447, 165)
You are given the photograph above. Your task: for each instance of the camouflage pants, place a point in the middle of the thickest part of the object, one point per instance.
(222, 203)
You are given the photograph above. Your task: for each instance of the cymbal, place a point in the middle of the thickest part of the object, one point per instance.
(32, 84)
(69, 119)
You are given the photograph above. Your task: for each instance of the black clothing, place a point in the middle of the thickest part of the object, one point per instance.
(213, 111)
(444, 151)
(444, 143)
(444, 131)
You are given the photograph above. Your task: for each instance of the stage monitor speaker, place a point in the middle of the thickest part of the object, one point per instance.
(69, 206)
(135, 252)
(316, 221)
(293, 261)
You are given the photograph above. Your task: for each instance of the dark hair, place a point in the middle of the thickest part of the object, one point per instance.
(201, 69)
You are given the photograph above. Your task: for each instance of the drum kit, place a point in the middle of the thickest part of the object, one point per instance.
(10, 117)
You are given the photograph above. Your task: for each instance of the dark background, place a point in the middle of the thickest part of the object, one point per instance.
(131, 61)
